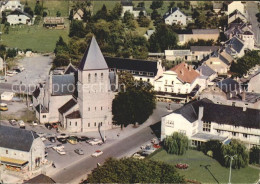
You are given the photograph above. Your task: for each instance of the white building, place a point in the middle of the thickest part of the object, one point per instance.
(175, 16)
(235, 5)
(203, 120)
(127, 5)
(19, 17)
(11, 5)
(21, 149)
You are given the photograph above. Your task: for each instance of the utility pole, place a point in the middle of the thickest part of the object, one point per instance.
(231, 159)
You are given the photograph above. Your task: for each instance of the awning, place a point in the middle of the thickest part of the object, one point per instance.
(13, 162)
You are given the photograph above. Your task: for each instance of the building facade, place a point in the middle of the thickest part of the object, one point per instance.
(175, 16)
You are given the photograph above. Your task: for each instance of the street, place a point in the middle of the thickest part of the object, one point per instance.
(252, 10)
(139, 136)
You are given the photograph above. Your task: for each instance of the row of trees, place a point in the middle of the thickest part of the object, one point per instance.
(218, 151)
(130, 170)
(245, 63)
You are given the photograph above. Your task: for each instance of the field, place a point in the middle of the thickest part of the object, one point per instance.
(34, 37)
(215, 172)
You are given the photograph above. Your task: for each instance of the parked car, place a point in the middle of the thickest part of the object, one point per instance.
(72, 140)
(13, 122)
(3, 104)
(34, 123)
(21, 124)
(54, 125)
(83, 138)
(138, 156)
(79, 151)
(97, 153)
(52, 139)
(48, 126)
(62, 136)
(3, 108)
(62, 140)
(95, 142)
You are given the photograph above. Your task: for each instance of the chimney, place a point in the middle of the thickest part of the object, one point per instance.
(200, 115)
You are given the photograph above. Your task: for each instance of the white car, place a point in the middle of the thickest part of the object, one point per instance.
(138, 156)
(3, 104)
(21, 123)
(97, 153)
(95, 142)
(10, 74)
(34, 123)
(61, 151)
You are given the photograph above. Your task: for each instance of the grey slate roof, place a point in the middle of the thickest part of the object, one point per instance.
(172, 11)
(203, 48)
(70, 69)
(205, 70)
(63, 84)
(67, 106)
(36, 92)
(205, 31)
(16, 138)
(19, 12)
(40, 179)
(230, 115)
(190, 111)
(228, 85)
(93, 58)
(234, 44)
(74, 115)
(43, 109)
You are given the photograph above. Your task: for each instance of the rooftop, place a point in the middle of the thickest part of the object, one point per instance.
(67, 106)
(63, 84)
(206, 137)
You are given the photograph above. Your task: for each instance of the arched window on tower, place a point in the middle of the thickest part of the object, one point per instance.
(89, 77)
(95, 77)
(102, 76)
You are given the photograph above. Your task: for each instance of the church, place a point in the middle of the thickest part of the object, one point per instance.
(81, 98)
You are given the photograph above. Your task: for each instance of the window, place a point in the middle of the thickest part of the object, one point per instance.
(89, 109)
(95, 124)
(141, 79)
(165, 89)
(88, 124)
(218, 131)
(95, 77)
(6, 151)
(172, 82)
(101, 123)
(89, 77)
(95, 108)
(20, 19)
(234, 134)
(102, 76)
(148, 80)
(206, 126)
(43, 116)
(175, 15)
(180, 15)
(245, 135)
(101, 108)
(166, 82)
(76, 123)
(70, 123)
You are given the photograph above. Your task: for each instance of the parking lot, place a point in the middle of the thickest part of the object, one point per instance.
(36, 70)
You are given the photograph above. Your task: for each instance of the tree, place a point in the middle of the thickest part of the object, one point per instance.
(156, 4)
(58, 14)
(44, 14)
(143, 21)
(130, 170)
(6, 27)
(116, 12)
(128, 106)
(254, 155)
(245, 63)
(28, 10)
(86, 15)
(155, 15)
(235, 147)
(61, 46)
(102, 14)
(71, 14)
(77, 29)
(38, 9)
(177, 143)
(163, 38)
(128, 19)
(215, 147)
(61, 60)
(4, 18)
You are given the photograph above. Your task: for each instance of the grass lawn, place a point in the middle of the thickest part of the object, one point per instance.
(35, 37)
(215, 173)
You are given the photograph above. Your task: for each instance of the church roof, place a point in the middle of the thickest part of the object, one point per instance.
(93, 58)
(67, 106)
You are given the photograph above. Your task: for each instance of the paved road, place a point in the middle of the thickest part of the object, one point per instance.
(120, 148)
(79, 169)
(252, 10)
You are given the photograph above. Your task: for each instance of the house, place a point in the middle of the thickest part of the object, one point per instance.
(19, 17)
(182, 55)
(196, 34)
(10, 5)
(217, 6)
(235, 5)
(149, 33)
(180, 82)
(54, 22)
(41, 178)
(203, 120)
(205, 70)
(78, 14)
(235, 47)
(200, 52)
(236, 17)
(144, 70)
(230, 92)
(175, 16)
(219, 61)
(127, 5)
(20, 149)
(82, 100)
